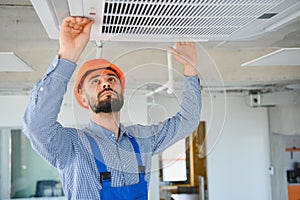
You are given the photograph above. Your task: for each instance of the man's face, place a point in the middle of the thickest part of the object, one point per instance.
(102, 91)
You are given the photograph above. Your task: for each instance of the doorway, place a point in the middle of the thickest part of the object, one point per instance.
(282, 161)
(195, 183)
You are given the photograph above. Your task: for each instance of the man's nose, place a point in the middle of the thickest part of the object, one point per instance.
(106, 85)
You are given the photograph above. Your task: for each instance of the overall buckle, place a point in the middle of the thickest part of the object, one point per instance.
(105, 176)
(142, 169)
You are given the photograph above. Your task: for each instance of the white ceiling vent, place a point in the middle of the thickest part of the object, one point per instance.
(168, 20)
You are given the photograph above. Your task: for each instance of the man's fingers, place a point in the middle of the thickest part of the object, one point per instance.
(176, 54)
(69, 20)
(87, 28)
(72, 21)
(78, 19)
(78, 24)
(173, 51)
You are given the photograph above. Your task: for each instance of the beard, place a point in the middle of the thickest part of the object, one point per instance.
(108, 105)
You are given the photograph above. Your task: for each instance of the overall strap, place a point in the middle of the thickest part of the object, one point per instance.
(137, 154)
(97, 154)
(105, 176)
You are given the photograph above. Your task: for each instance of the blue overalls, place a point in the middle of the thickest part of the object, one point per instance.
(131, 192)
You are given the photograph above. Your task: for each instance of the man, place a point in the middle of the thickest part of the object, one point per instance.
(105, 160)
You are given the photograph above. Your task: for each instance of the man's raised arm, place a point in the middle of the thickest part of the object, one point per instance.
(40, 124)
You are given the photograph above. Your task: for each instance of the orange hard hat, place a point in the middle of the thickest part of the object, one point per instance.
(91, 66)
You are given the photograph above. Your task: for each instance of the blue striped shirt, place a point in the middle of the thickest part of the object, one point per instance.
(69, 151)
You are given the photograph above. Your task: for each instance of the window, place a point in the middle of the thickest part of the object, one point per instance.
(27, 168)
(174, 162)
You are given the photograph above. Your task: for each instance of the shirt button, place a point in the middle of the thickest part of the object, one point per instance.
(112, 135)
(124, 166)
(41, 89)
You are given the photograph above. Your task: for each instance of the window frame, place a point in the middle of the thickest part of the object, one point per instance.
(187, 162)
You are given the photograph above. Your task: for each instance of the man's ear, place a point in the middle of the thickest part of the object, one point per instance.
(84, 100)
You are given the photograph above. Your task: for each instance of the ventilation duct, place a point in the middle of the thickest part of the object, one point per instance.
(169, 20)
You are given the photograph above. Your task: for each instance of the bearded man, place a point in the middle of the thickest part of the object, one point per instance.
(105, 160)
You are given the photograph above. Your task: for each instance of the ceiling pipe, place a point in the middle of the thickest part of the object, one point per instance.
(99, 48)
(169, 85)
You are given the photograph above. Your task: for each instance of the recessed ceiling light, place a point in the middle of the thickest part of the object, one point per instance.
(10, 62)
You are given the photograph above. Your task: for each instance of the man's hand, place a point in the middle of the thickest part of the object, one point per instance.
(185, 53)
(74, 36)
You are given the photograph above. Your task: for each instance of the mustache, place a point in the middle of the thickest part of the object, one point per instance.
(104, 90)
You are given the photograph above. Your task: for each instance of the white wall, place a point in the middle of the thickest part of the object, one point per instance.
(12, 109)
(285, 119)
(237, 166)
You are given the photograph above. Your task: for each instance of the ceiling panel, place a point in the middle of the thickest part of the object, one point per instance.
(10, 62)
(281, 57)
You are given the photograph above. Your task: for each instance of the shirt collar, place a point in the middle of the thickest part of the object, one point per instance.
(101, 131)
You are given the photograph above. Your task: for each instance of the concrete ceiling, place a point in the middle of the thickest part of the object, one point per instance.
(219, 61)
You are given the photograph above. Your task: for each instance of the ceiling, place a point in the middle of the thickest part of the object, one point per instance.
(143, 62)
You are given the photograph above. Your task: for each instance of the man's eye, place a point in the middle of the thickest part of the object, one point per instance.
(112, 79)
(95, 81)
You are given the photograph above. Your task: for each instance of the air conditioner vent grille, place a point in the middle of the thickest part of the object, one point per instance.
(192, 19)
(171, 20)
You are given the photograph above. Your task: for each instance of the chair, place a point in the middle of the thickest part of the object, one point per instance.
(47, 188)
